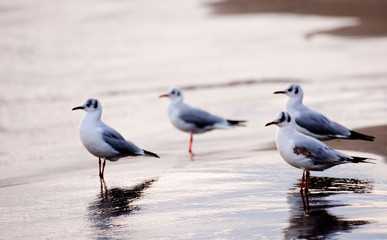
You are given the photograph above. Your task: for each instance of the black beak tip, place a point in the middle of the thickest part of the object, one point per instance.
(77, 108)
(270, 123)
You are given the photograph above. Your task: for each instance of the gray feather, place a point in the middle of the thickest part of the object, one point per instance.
(318, 124)
(321, 154)
(198, 117)
(118, 143)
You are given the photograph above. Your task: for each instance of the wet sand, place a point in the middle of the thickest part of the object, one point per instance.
(127, 53)
(379, 146)
(370, 15)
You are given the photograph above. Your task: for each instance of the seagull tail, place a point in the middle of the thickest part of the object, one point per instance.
(360, 160)
(237, 122)
(359, 136)
(147, 153)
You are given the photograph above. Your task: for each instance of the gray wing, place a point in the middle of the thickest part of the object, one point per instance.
(118, 143)
(198, 117)
(318, 124)
(320, 153)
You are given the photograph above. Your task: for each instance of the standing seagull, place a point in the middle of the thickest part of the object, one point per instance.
(194, 120)
(103, 141)
(305, 152)
(313, 123)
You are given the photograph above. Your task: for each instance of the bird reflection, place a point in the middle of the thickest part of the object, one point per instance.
(115, 202)
(309, 217)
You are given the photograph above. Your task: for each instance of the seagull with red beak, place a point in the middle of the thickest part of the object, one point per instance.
(194, 120)
(305, 152)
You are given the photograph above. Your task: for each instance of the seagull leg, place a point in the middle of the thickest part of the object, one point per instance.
(99, 168)
(190, 144)
(302, 181)
(103, 169)
(103, 187)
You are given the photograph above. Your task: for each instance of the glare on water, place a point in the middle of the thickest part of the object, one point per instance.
(56, 54)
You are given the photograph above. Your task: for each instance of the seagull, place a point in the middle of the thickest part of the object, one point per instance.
(305, 152)
(313, 123)
(103, 141)
(194, 120)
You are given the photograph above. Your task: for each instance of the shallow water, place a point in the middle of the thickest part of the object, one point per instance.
(126, 54)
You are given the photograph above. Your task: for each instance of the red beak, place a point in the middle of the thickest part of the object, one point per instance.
(163, 95)
(270, 123)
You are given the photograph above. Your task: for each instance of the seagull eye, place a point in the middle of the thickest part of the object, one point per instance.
(282, 117)
(88, 104)
(290, 89)
(173, 92)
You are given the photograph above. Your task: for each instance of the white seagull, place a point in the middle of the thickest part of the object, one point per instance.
(313, 123)
(305, 152)
(194, 120)
(103, 141)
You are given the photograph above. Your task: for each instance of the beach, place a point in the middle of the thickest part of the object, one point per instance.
(228, 57)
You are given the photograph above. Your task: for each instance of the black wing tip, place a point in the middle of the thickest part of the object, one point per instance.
(237, 122)
(361, 160)
(359, 136)
(150, 154)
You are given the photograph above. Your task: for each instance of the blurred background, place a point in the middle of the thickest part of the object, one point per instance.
(228, 56)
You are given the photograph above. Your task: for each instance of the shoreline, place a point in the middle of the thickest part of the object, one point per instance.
(370, 14)
(379, 146)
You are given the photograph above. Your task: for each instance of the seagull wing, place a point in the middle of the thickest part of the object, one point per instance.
(198, 117)
(318, 152)
(118, 143)
(318, 124)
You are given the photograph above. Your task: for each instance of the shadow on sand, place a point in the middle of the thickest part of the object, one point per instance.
(113, 203)
(309, 215)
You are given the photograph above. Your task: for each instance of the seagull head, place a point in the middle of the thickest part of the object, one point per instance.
(293, 90)
(91, 105)
(283, 119)
(174, 93)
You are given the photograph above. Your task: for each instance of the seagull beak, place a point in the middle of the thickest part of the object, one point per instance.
(163, 95)
(270, 123)
(77, 108)
(279, 92)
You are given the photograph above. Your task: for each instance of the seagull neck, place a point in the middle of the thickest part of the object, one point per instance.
(294, 102)
(289, 129)
(176, 101)
(284, 136)
(93, 116)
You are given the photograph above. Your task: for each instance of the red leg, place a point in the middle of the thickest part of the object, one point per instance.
(302, 180)
(190, 144)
